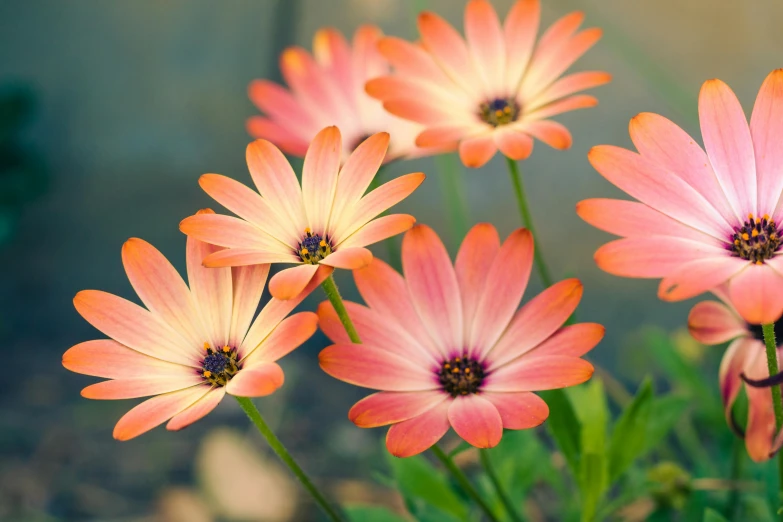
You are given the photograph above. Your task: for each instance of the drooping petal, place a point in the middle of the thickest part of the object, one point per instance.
(739, 353)
(533, 373)
(379, 229)
(475, 152)
(710, 322)
(319, 177)
(383, 408)
(141, 386)
(111, 360)
(757, 294)
(197, 410)
(349, 258)
(291, 333)
(519, 411)
(729, 145)
(413, 436)
(574, 340)
(760, 430)
(433, 287)
(212, 290)
(520, 29)
(154, 412)
(485, 41)
(474, 259)
(535, 322)
(654, 256)
(371, 367)
(766, 127)
(513, 143)
(289, 283)
(249, 283)
(476, 420)
(698, 276)
(259, 380)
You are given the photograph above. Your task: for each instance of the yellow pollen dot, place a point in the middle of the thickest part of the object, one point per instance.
(766, 216)
(507, 110)
(755, 233)
(467, 370)
(206, 346)
(750, 216)
(457, 359)
(758, 262)
(323, 243)
(455, 370)
(207, 374)
(745, 236)
(447, 366)
(736, 241)
(226, 349)
(304, 251)
(308, 231)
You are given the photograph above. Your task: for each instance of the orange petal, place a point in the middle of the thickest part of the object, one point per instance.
(383, 408)
(545, 372)
(485, 41)
(197, 410)
(476, 420)
(520, 30)
(513, 143)
(474, 259)
(477, 151)
(141, 386)
(156, 411)
(249, 283)
(413, 436)
(289, 141)
(349, 258)
(289, 283)
(710, 322)
(519, 411)
(111, 360)
(291, 333)
(550, 132)
(379, 229)
(257, 381)
(319, 177)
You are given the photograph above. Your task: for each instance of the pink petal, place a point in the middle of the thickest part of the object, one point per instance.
(757, 294)
(444, 98)
(550, 132)
(213, 293)
(698, 276)
(141, 386)
(476, 420)
(319, 177)
(349, 258)
(333, 54)
(476, 152)
(383, 408)
(574, 340)
(655, 256)
(289, 141)
(317, 90)
(197, 410)
(710, 322)
(248, 283)
(259, 380)
(760, 430)
(568, 85)
(766, 127)
(358, 172)
(539, 372)
(729, 145)
(135, 327)
(412, 60)
(368, 62)
(505, 284)
(632, 219)
(449, 50)
(520, 29)
(371, 367)
(485, 41)
(513, 143)
(474, 259)
(278, 103)
(154, 412)
(433, 287)
(413, 436)
(231, 232)
(447, 136)
(536, 321)
(277, 183)
(659, 188)
(421, 111)
(519, 411)
(663, 142)
(289, 283)
(111, 360)
(572, 103)
(380, 229)
(291, 333)
(247, 257)
(734, 362)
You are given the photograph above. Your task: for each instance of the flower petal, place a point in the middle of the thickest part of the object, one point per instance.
(485, 41)
(291, 333)
(574, 340)
(238, 257)
(412, 60)
(572, 103)
(359, 170)
(383, 408)
(259, 380)
(654, 256)
(474, 259)
(212, 290)
(379, 229)
(289, 283)
(371, 367)
(248, 283)
(477, 151)
(735, 361)
(710, 322)
(519, 411)
(757, 294)
(413, 436)
(319, 177)
(766, 127)
(533, 373)
(449, 50)
(232, 232)
(111, 360)
(141, 386)
(290, 141)
(568, 85)
(520, 29)
(279, 104)
(197, 410)
(698, 276)
(349, 258)
(514, 143)
(476, 420)
(760, 430)
(157, 410)
(550, 132)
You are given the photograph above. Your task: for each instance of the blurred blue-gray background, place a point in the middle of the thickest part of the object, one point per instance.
(109, 112)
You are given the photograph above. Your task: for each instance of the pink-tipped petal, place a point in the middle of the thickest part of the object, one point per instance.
(474, 259)
(520, 29)
(476, 420)
(410, 59)
(212, 290)
(289, 283)
(197, 410)
(413, 436)
(550, 132)
(505, 284)
(290, 141)
(349, 258)
(485, 41)
(549, 63)
(279, 103)
(766, 127)
(519, 411)
(710, 322)
(513, 143)
(248, 283)
(652, 257)
(358, 172)
(319, 177)
(539, 372)
(384, 408)
(757, 294)
(380, 229)
(449, 50)
(333, 54)
(477, 151)
(536, 321)
(140, 386)
(154, 412)
(734, 362)
(574, 340)
(259, 380)
(433, 287)
(291, 333)
(371, 367)
(111, 360)
(698, 276)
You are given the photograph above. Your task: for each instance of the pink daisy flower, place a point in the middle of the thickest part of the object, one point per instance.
(498, 89)
(189, 346)
(703, 218)
(325, 223)
(447, 346)
(712, 322)
(327, 89)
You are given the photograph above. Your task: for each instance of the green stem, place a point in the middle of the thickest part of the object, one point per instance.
(255, 416)
(463, 481)
(449, 175)
(392, 250)
(777, 404)
(333, 294)
(486, 461)
(737, 454)
(527, 220)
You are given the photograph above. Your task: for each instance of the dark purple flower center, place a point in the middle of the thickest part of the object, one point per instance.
(461, 375)
(219, 366)
(756, 240)
(499, 111)
(313, 247)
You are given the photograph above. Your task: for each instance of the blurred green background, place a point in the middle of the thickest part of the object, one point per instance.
(109, 112)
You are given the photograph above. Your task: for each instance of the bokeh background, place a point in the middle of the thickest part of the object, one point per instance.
(109, 112)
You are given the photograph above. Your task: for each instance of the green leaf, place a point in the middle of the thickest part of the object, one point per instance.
(564, 427)
(592, 482)
(628, 440)
(418, 480)
(710, 515)
(359, 513)
(664, 414)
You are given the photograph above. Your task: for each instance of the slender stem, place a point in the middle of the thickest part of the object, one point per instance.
(527, 220)
(255, 416)
(777, 404)
(333, 294)
(463, 481)
(392, 250)
(450, 177)
(486, 461)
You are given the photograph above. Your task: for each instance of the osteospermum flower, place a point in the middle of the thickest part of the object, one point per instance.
(712, 322)
(189, 346)
(702, 218)
(495, 91)
(325, 223)
(447, 347)
(328, 89)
